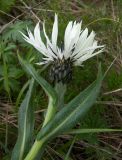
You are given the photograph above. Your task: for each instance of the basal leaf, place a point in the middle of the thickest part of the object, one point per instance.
(26, 126)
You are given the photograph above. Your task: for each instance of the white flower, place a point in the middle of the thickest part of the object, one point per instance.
(78, 44)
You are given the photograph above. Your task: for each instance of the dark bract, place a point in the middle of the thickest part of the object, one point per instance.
(61, 71)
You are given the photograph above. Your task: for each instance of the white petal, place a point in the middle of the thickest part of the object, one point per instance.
(38, 37)
(55, 31)
(85, 45)
(81, 41)
(87, 56)
(72, 39)
(75, 35)
(42, 63)
(48, 59)
(60, 54)
(89, 40)
(51, 52)
(25, 37)
(66, 36)
(49, 44)
(48, 41)
(31, 37)
(88, 50)
(33, 42)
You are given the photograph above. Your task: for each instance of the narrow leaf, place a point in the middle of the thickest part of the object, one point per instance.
(47, 88)
(69, 151)
(72, 112)
(95, 130)
(26, 126)
(21, 93)
(44, 84)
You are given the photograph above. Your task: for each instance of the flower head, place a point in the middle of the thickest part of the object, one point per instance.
(78, 47)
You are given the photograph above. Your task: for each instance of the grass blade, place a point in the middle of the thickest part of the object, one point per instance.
(69, 151)
(93, 130)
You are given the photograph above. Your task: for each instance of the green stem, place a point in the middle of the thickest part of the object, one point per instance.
(35, 150)
(50, 111)
(39, 145)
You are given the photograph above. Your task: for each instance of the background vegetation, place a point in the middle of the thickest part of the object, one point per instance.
(102, 16)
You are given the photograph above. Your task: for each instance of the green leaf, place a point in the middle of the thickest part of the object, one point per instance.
(69, 151)
(14, 85)
(44, 84)
(6, 5)
(6, 80)
(21, 93)
(26, 126)
(95, 130)
(12, 32)
(10, 47)
(72, 112)
(15, 73)
(47, 88)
